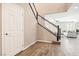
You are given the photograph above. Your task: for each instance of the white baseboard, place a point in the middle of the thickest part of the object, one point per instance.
(30, 45)
(44, 41)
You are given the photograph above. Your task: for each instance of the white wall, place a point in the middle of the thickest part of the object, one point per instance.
(68, 26)
(77, 25)
(30, 27)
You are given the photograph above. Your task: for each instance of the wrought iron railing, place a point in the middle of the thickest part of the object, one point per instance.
(41, 21)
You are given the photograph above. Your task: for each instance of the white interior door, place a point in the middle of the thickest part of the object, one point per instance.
(12, 29)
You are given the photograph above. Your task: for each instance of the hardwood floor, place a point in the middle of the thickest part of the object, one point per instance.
(68, 47)
(42, 49)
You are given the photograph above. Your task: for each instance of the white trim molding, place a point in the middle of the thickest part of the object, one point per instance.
(44, 41)
(29, 45)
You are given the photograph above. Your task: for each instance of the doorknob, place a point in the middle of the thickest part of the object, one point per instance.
(6, 34)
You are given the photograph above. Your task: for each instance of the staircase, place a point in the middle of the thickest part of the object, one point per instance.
(56, 32)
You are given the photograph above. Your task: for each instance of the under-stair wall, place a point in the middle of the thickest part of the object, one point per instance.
(49, 8)
(30, 26)
(43, 34)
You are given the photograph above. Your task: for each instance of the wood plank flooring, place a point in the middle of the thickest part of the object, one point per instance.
(42, 49)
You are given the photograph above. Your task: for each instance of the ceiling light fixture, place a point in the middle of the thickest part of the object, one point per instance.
(76, 7)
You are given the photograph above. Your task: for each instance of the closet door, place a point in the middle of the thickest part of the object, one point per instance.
(12, 29)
